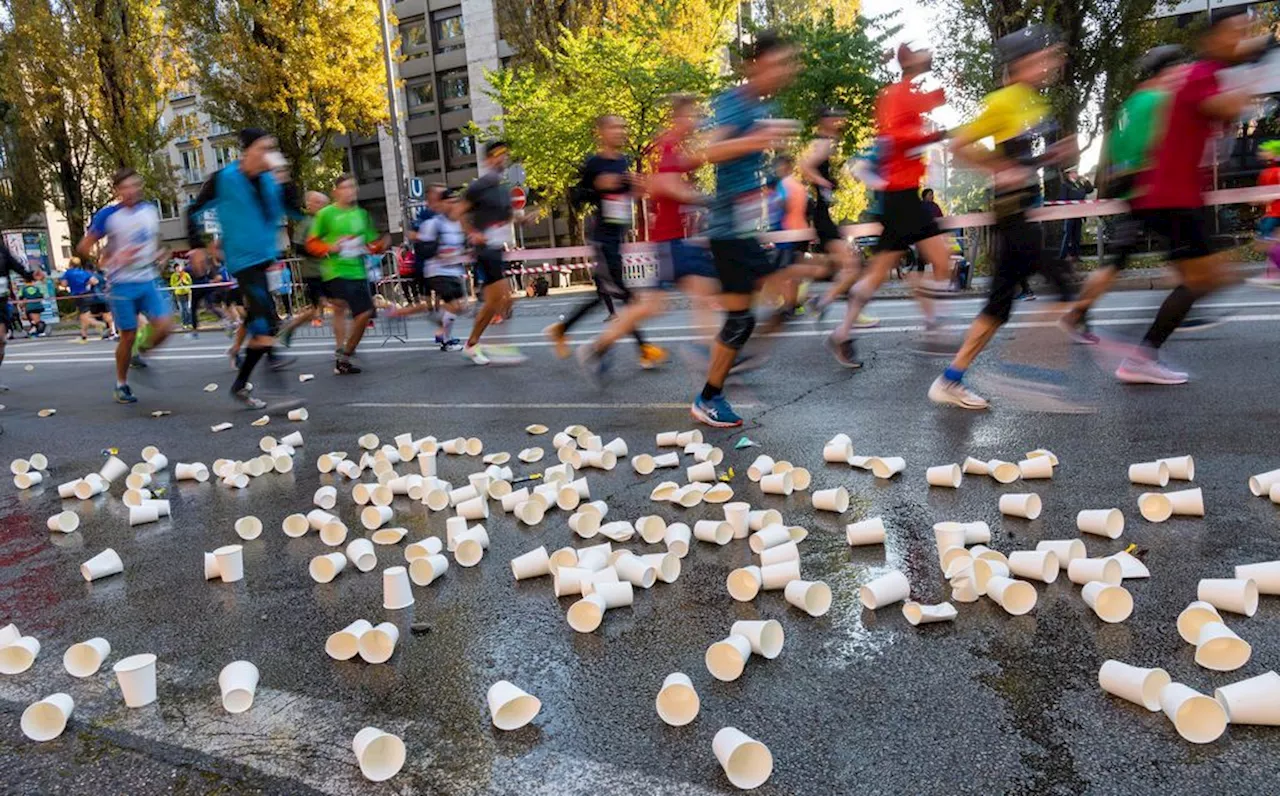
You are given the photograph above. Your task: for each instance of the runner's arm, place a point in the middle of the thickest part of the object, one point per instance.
(669, 184)
(815, 153)
(1226, 106)
(721, 145)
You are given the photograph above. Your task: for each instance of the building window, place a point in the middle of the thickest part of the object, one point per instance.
(192, 165)
(414, 41)
(186, 126)
(224, 154)
(448, 29)
(168, 207)
(368, 163)
(421, 97)
(426, 156)
(462, 150)
(455, 90)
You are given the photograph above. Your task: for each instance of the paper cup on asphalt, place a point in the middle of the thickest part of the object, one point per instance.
(1026, 505)
(635, 570)
(744, 583)
(1111, 603)
(1066, 550)
(323, 569)
(474, 509)
(238, 682)
(713, 531)
(374, 517)
(677, 538)
(510, 708)
(1016, 597)
(230, 560)
(1002, 471)
(643, 464)
(17, 656)
(963, 590)
(1036, 467)
(1187, 502)
(360, 552)
(773, 536)
(471, 546)
(586, 524)
(68, 490)
(779, 553)
(533, 564)
(836, 500)
(918, 614)
(1266, 575)
(333, 533)
(248, 528)
(1040, 565)
(1239, 596)
(766, 636)
(427, 570)
(1133, 683)
(1252, 701)
(345, 644)
(1083, 570)
(531, 511)
(1155, 506)
(948, 534)
(982, 551)
(379, 643)
(974, 466)
(1193, 617)
(85, 658)
(777, 576)
(389, 536)
(777, 484)
(1101, 522)
(1261, 483)
(296, 525)
(422, 548)
(103, 564)
(885, 590)
(1149, 474)
(651, 528)
(812, 597)
(1196, 717)
(381, 755)
(63, 522)
(762, 466)
(113, 468)
(1220, 649)
(136, 675)
(727, 658)
(1180, 468)
(677, 702)
(705, 471)
(90, 486)
(887, 467)
(46, 719)
(138, 480)
(28, 480)
(667, 565)
(746, 762)
(866, 532)
(837, 452)
(945, 475)
(396, 592)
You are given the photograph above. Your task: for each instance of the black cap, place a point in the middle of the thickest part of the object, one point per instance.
(1158, 59)
(250, 134)
(1028, 41)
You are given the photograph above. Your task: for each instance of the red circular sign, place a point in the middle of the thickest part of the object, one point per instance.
(517, 197)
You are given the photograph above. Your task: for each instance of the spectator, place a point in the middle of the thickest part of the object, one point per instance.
(180, 281)
(934, 210)
(1073, 189)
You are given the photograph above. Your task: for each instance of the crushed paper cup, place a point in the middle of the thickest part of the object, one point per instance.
(530, 455)
(221, 427)
(719, 493)
(887, 467)
(866, 532)
(1111, 603)
(1025, 505)
(1004, 472)
(945, 475)
(1048, 454)
(1149, 474)
(262, 421)
(210, 387)
(664, 491)
(536, 429)
(1220, 649)
(885, 590)
(746, 762)
(510, 707)
(380, 754)
(1237, 595)
(1101, 522)
(303, 378)
(500, 458)
(677, 703)
(1196, 717)
(388, 536)
(1133, 683)
(812, 597)
(1252, 701)
(918, 614)
(963, 590)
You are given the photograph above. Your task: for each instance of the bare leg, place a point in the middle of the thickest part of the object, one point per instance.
(983, 328)
(358, 325)
(124, 352)
(648, 303)
(495, 299)
(872, 278)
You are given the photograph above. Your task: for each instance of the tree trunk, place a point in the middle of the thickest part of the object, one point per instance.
(72, 204)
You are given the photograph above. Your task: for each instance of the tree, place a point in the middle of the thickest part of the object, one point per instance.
(305, 70)
(21, 186)
(532, 27)
(772, 13)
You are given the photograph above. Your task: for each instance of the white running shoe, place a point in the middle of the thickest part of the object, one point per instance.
(474, 354)
(945, 391)
(1136, 370)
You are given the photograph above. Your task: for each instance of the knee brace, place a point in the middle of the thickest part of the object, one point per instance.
(737, 328)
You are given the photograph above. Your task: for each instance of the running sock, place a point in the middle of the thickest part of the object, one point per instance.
(953, 374)
(120, 384)
(251, 359)
(709, 392)
(1172, 312)
(446, 323)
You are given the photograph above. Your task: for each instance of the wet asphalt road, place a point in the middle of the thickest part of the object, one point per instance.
(858, 702)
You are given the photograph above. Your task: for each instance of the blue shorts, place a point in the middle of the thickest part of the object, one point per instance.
(128, 300)
(678, 259)
(1267, 226)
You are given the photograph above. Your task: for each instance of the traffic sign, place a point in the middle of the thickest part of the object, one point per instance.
(415, 188)
(517, 197)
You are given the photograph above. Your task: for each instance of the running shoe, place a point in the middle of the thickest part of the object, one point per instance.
(945, 391)
(864, 321)
(1140, 370)
(651, 356)
(845, 352)
(1078, 332)
(816, 308)
(594, 367)
(345, 367)
(440, 341)
(504, 355)
(452, 344)
(277, 361)
(138, 363)
(245, 396)
(1201, 323)
(1028, 296)
(715, 412)
(124, 395)
(474, 354)
(555, 332)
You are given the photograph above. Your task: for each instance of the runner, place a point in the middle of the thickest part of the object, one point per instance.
(443, 243)
(81, 284)
(31, 296)
(680, 263)
(9, 265)
(310, 273)
(250, 204)
(1140, 121)
(608, 183)
(741, 131)
(1014, 117)
(1268, 240)
(487, 219)
(131, 228)
(343, 234)
(900, 110)
(1168, 198)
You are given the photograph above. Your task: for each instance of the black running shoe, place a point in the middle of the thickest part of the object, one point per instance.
(344, 367)
(245, 396)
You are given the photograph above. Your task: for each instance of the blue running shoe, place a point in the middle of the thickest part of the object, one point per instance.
(124, 395)
(715, 412)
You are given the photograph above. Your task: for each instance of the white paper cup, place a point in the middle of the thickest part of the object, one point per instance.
(1239, 596)
(1110, 603)
(230, 563)
(885, 590)
(17, 656)
(762, 466)
(296, 525)
(68, 489)
(345, 644)
(836, 500)
(381, 755)
(374, 517)
(567, 580)
(136, 675)
(1040, 565)
(238, 682)
(777, 576)
(1181, 468)
(918, 614)
(1066, 550)
(396, 592)
(948, 535)
(772, 536)
(323, 569)
(777, 484)
(471, 546)
(677, 703)
(248, 528)
(982, 551)
(634, 570)
(783, 552)
(1193, 617)
(643, 464)
(766, 636)
(586, 615)
(651, 528)
(666, 439)
(333, 533)
(533, 564)
(1083, 570)
(1149, 473)
(974, 466)
(667, 460)
(1266, 575)
(141, 515)
(1101, 522)
(474, 509)
(837, 452)
(1035, 467)
(511, 708)
(964, 591)
(427, 570)
(1016, 597)
(727, 658)
(667, 565)
(63, 522)
(379, 643)
(677, 538)
(704, 471)
(138, 480)
(113, 468)
(1002, 471)
(1187, 502)
(1252, 701)
(1196, 717)
(812, 597)
(90, 486)
(887, 467)
(1220, 649)
(360, 552)
(945, 475)
(1261, 483)
(866, 532)
(746, 762)
(687, 496)
(46, 719)
(9, 634)
(1133, 683)
(713, 531)
(1025, 505)
(1155, 506)
(103, 564)
(85, 658)
(423, 548)
(744, 583)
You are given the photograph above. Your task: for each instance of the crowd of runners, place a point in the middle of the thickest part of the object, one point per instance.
(750, 249)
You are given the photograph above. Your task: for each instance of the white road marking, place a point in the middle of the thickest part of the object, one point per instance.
(527, 406)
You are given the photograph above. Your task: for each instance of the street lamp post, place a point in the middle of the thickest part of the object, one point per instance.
(389, 63)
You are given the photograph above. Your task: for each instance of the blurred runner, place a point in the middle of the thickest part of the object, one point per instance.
(487, 220)
(81, 284)
(442, 244)
(310, 273)
(9, 266)
(1270, 223)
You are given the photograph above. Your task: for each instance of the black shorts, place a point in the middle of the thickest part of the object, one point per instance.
(446, 288)
(4, 313)
(313, 290)
(490, 266)
(352, 292)
(905, 220)
(259, 306)
(740, 264)
(230, 296)
(1184, 228)
(1019, 254)
(823, 226)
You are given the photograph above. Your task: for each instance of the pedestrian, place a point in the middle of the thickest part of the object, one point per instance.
(180, 282)
(487, 219)
(131, 231)
(931, 207)
(1072, 189)
(251, 204)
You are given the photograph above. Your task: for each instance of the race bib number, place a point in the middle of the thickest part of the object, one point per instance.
(351, 247)
(748, 214)
(616, 209)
